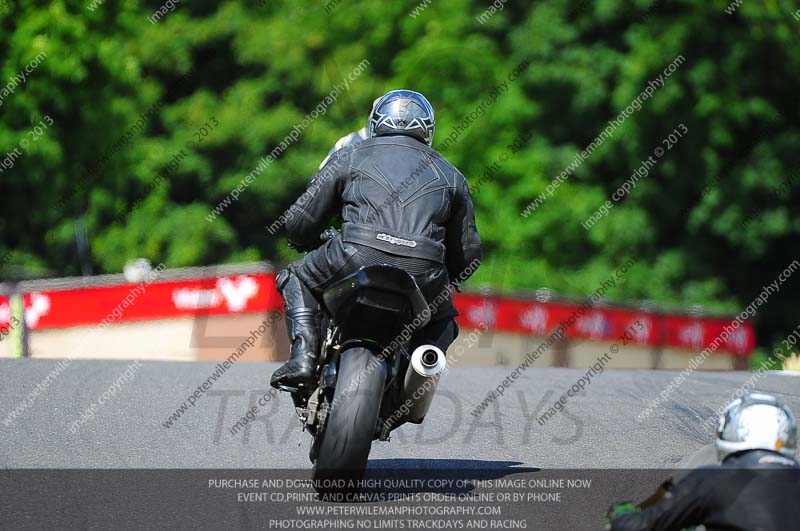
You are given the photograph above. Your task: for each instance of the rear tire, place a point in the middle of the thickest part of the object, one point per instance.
(352, 419)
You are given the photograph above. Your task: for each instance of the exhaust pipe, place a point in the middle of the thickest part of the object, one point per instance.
(422, 376)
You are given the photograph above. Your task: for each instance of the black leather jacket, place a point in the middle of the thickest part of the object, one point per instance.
(395, 194)
(752, 490)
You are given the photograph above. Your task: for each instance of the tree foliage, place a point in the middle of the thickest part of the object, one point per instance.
(710, 225)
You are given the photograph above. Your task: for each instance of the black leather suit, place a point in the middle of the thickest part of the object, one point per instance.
(402, 204)
(752, 490)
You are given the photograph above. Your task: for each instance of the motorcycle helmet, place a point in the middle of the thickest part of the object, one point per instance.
(756, 422)
(403, 112)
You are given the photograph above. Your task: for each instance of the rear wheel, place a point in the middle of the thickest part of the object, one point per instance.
(343, 445)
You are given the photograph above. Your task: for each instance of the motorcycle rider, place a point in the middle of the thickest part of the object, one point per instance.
(402, 203)
(349, 139)
(756, 485)
(356, 137)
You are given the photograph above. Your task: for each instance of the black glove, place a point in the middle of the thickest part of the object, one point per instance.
(328, 234)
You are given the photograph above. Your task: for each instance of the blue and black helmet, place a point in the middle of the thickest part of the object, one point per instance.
(403, 112)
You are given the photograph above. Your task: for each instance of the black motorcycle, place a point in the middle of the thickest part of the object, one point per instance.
(367, 383)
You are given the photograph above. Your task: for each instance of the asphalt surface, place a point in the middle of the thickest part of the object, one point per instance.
(597, 429)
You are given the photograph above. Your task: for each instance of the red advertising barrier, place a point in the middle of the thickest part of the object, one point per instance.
(157, 300)
(257, 293)
(603, 324)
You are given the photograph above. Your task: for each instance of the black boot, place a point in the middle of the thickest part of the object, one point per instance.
(302, 325)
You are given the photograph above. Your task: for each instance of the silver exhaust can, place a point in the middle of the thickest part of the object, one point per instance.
(422, 376)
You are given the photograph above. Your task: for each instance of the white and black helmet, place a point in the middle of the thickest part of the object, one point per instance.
(756, 422)
(403, 112)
